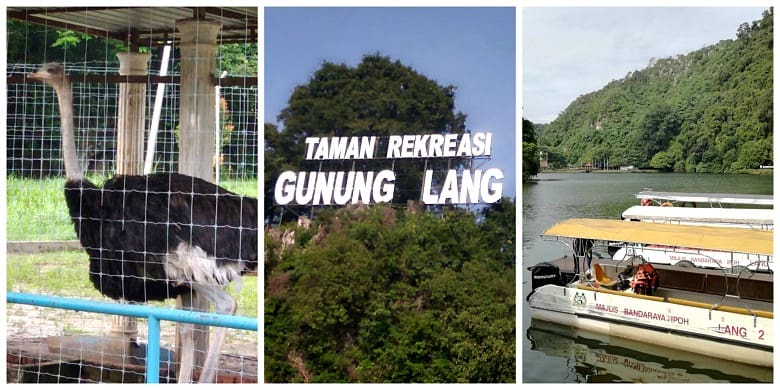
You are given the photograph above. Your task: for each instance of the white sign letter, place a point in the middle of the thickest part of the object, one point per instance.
(285, 188)
(491, 191)
(384, 185)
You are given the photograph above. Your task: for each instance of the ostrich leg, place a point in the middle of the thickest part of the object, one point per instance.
(187, 353)
(223, 304)
(191, 343)
(186, 334)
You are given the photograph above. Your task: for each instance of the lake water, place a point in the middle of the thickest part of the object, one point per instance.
(554, 354)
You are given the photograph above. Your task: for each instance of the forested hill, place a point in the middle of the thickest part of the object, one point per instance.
(706, 111)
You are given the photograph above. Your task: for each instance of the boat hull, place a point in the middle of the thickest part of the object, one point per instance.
(725, 335)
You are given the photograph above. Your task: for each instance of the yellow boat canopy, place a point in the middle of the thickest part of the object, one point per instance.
(686, 236)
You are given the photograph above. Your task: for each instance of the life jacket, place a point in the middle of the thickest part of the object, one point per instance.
(645, 279)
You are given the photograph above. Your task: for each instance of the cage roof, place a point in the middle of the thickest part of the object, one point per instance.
(144, 26)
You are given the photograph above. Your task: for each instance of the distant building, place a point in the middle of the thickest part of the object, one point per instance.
(543, 164)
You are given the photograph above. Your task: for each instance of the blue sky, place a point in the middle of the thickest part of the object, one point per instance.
(571, 51)
(471, 48)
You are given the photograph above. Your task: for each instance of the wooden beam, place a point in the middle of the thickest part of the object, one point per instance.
(232, 81)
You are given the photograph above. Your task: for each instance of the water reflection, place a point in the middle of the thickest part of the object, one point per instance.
(596, 358)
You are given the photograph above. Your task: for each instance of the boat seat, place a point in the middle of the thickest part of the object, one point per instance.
(602, 278)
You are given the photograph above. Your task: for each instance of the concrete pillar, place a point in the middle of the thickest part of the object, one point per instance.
(197, 121)
(197, 118)
(130, 148)
(132, 115)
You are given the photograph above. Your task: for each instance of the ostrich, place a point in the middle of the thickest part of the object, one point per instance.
(154, 237)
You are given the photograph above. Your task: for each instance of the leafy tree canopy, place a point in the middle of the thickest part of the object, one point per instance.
(530, 151)
(371, 294)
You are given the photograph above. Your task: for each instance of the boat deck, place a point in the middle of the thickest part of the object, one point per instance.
(699, 285)
(689, 215)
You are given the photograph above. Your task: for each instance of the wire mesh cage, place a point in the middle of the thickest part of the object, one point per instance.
(125, 227)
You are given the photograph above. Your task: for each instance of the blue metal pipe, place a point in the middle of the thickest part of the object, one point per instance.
(164, 314)
(153, 351)
(153, 314)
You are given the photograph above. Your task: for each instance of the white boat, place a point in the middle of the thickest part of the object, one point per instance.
(756, 219)
(711, 199)
(745, 218)
(748, 218)
(706, 311)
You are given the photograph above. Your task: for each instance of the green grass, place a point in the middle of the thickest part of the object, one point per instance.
(63, 273)
(67, 274)
(36, 209)
(244, 187)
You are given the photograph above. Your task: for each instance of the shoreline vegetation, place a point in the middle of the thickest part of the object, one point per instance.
(757, 171)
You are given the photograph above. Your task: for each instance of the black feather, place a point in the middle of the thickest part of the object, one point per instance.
(130, 224)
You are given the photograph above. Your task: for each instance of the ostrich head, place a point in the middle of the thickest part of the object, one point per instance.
(54, 75)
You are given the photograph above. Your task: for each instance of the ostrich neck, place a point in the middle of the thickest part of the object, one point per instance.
(72, 166)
